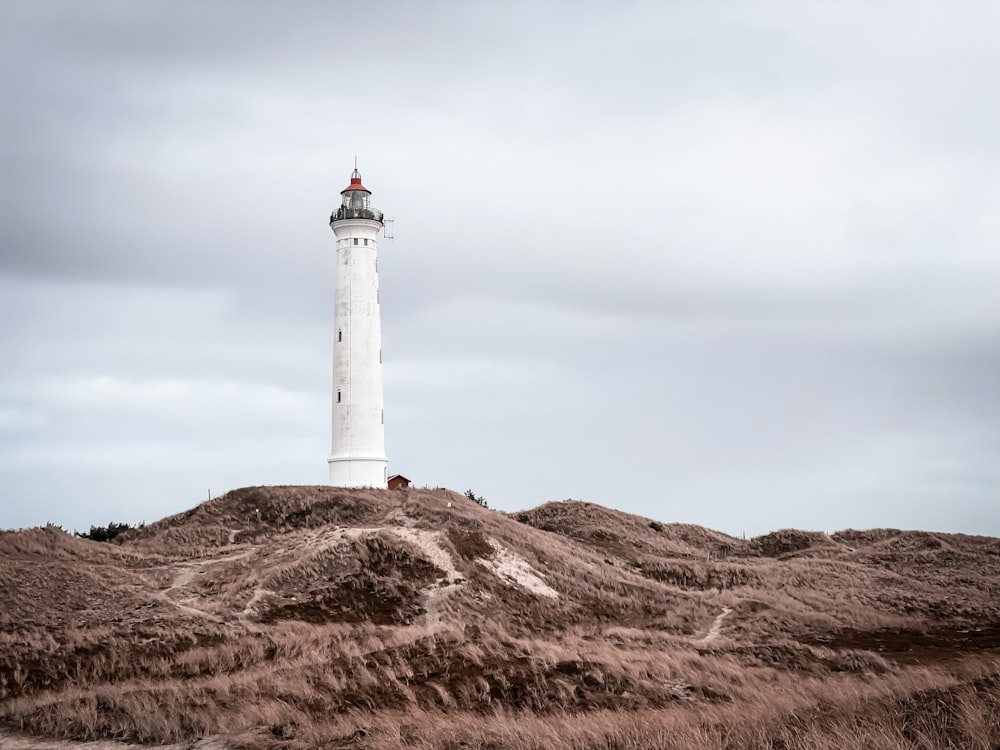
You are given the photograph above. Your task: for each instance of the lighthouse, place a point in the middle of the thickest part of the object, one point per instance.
(357, 458)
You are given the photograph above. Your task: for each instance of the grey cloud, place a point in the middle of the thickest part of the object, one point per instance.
(732, 265)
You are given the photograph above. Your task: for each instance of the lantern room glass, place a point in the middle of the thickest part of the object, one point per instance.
(356, 200)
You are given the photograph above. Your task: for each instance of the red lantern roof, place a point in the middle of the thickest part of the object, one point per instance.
(355, 183)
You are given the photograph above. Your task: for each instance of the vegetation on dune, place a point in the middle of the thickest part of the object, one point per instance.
(106, 533)
(478, 499)
(316, 617)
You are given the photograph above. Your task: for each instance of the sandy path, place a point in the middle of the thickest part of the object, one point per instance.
(428, 542)
(187, 573)
(716, 629)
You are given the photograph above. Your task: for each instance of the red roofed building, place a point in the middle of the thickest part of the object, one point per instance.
(398, 482)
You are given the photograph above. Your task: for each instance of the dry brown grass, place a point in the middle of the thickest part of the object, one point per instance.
(307, 617)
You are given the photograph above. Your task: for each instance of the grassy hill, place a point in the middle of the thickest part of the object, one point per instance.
(309, 617)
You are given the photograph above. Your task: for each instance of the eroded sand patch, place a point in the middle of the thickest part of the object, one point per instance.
(515, 570)
(428, 542)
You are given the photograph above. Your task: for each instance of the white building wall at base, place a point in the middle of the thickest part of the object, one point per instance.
(357, 458)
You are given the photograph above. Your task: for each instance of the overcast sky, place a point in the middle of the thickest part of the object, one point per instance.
(728, 263)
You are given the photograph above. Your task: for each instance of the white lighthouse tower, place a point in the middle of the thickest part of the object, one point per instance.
(357, 458)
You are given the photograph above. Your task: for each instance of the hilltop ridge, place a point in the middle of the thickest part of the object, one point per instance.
(304, 617)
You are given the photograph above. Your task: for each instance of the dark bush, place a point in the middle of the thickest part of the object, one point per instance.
(477, 500)
(107, 533)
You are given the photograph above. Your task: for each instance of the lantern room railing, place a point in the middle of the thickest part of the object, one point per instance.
(356, 213)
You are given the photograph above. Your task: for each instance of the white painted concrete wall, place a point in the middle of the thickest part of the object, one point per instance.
(357, 458)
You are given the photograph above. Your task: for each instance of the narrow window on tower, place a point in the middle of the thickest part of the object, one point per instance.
(338, 395)
(355, 240)
(383, 416)
(380, 356)
(366, 240)
(340, 335)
